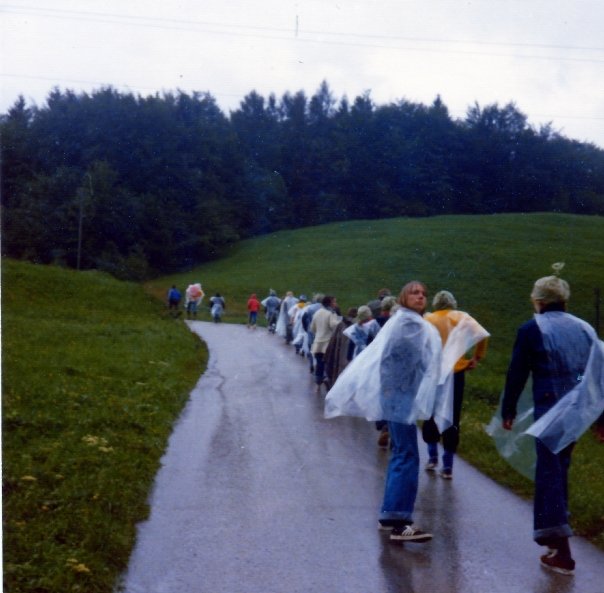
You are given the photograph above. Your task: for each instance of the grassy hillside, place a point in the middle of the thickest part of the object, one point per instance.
(488, 262)
(93, 376)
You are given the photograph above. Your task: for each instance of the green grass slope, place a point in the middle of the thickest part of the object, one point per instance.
(93, 376)
(488, 262)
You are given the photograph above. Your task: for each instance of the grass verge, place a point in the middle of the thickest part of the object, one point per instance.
(93, 376)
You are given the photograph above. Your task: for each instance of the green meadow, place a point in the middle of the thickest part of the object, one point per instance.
(93, 377)
(95, 371)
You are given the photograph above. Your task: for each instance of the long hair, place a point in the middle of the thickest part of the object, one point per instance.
(402, 297)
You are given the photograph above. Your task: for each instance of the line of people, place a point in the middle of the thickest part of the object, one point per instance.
(392, 363)
(332, 341)
(194, 295)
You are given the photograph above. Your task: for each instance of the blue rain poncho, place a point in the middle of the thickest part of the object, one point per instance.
(395, 378)
(573, 413)
(362, 334)
(579, 408)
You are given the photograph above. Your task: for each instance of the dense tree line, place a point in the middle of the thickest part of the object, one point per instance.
(143, 185)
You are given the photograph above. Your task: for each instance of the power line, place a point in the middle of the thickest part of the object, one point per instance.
(154, 22)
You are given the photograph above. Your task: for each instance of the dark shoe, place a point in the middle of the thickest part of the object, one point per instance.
(408, 533)
(385, 526)
(556, 563)
(446, 474)
(432, 465)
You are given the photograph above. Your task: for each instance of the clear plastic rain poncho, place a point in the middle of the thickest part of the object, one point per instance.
(395, 378)
(576, 410)
(361, 334)
(217, 306)
(283, 318)
(194, 293)
(465, 335)
(300, 334)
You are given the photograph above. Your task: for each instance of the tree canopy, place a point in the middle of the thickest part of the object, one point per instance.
(145, 185)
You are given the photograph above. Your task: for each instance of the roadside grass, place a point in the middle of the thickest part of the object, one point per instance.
(94, 375)
(489, 262)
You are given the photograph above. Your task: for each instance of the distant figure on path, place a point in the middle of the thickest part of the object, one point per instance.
(174, 298)
(217, 307)
(336, 355)
(309, 313)
(284, 329)
(193, 299)
(322, 326)
(362, 331)
(253, 306)
(271, 306)
(564, 357)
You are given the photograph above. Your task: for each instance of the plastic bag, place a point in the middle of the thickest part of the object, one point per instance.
(515, 446)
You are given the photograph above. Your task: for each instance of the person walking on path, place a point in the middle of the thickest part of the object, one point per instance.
(193, 299)
(284, 329)
(362, 332)
(446, 318)
(336, 355)
(174, 298)
(217, 307)
(322, 326)
(309, 313)
(271, 306)
(299, 336)
(396, 379)
(564, 357)
(253, 306)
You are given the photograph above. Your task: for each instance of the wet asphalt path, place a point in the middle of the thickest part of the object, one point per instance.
(258, 493)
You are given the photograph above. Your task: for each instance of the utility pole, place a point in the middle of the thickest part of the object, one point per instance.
(81, 217)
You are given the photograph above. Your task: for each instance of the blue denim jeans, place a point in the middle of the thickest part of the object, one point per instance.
(550, 510)
(319, 367)
(402, 475)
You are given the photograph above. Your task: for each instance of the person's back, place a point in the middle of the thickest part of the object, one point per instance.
(323, 325)
(253, 306)
(556, 361)
(218, 306)
(271, 306)
(271, 303)
(174, 297)
(564, 357)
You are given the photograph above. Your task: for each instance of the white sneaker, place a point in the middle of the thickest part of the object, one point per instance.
(409, 534)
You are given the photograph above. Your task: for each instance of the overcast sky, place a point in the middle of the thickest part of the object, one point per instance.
(546, 56)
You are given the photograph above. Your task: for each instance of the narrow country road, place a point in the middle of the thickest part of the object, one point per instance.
(259, 493)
